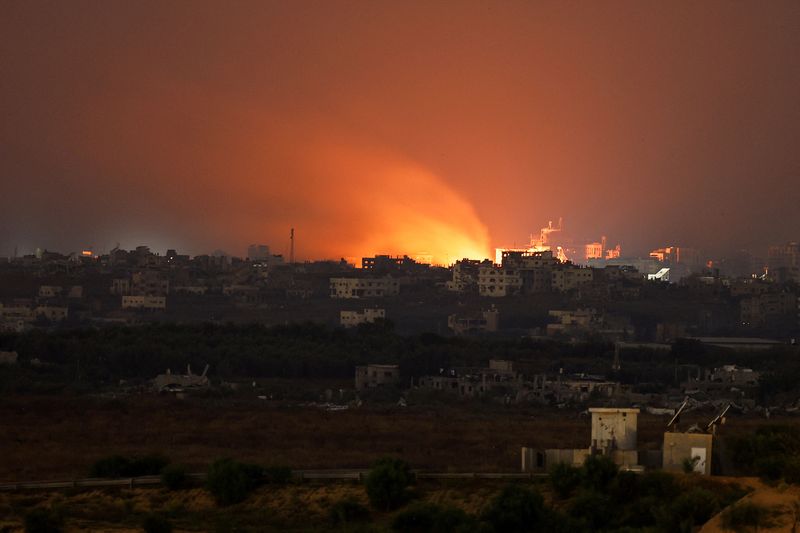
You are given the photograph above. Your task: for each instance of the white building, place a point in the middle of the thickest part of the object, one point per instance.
(364, 287)
(351, 319)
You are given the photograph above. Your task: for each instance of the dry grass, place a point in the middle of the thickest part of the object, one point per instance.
(60, 437)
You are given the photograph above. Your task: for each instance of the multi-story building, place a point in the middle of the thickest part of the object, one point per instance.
(364, 287)
(152, 303)
(783, 263)
(49, 291)
(372, 376)
(465, 275)
(488, 321)
(149, 283)
(757, 310)
(351, 319)
(568, 277)
(51, 313)
(498, 281)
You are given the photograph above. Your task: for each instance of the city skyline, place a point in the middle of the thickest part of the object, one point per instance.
(452, 132)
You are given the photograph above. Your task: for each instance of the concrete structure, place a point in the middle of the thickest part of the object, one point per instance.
(8, 358)
(498, 281)
(739, 343)
(573, 321)
(195, 290)
(371, 376)
(51, 313)
(760, 309)
(499, 377)
(465, 275)
(614, 435)
(149, 283)
(487, 322)
(76, 292)
(50, 291)
(364, 287)
(169, 382)
(258, 252)
(152, 303)
(614, 429)
(350, 319)
(568, 277)
(120, 286)
(679, 448)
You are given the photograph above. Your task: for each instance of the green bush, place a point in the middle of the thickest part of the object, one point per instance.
(431, 518)
(41, 520)
(348, 511)
(625, 487)
(230, 481)
(692, 508)
(564, 479)
(387, 483)
(516, 509)
(659, 484)
(155, 523)
(593, 508)
(598, 472)
(175, 477)
(744, 515)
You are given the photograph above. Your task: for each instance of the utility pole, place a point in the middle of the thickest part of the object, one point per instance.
(291, 246)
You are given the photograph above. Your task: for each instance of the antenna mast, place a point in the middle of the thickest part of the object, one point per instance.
(291, 246)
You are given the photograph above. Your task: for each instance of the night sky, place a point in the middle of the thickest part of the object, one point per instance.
(388, 127)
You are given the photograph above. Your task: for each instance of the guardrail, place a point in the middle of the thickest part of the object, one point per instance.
(339, 474)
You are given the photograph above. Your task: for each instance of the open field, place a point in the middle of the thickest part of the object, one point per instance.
(47, 437)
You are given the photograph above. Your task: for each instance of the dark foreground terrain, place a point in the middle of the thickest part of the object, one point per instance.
(47, 437)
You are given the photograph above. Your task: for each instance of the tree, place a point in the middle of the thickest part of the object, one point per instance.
(517, 509)
(564, 479)
(387, 483)
(230, 481)
(174, 477)
(598, 472)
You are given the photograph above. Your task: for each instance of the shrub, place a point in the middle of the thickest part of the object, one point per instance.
(692, 508)
(658, 484)
(431, 518)
(625, 487)
(230, 481)
(155, 523)
(148, 465)
(348, 511)
(740, 516)
(387, 483)
(516, 509)
(593, 508)
(41, 520)
(174, 477)
(598, 471)
(564, 479)
(689, 463)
